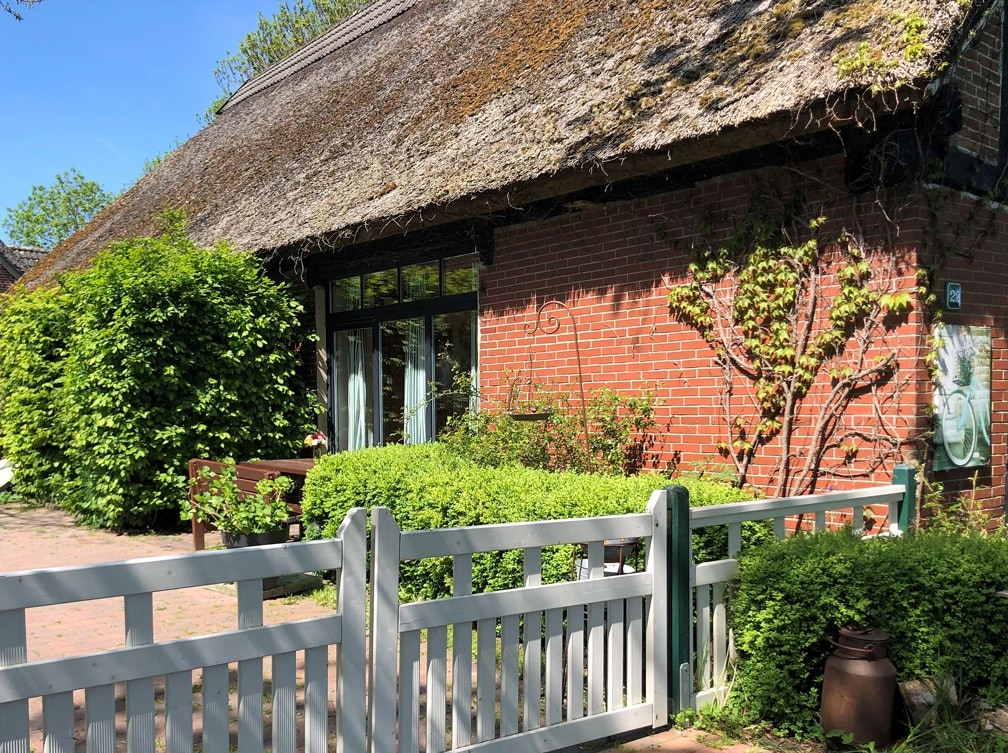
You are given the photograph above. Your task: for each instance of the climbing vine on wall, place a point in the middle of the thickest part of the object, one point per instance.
(783, 316)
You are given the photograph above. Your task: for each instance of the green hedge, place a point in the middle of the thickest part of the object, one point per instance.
(34, 330)
(933, 594)
(428, 486)
(159, 352)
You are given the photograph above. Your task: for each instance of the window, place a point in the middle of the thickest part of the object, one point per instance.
(398, 339)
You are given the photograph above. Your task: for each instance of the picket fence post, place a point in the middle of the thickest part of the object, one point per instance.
(382, 697)
(351, 690)
(906, 475)
(680, 622)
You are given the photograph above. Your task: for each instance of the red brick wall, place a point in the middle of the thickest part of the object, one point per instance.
(611, 265)
(978, 76)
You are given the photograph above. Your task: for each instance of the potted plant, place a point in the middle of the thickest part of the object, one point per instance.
(244, 518)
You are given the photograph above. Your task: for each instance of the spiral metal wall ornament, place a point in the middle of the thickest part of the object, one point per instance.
(547, 321)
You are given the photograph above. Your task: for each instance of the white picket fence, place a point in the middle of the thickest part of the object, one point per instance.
(706, 676)
(551, 665)
(144, 669)
(555, 665)
(541, 667)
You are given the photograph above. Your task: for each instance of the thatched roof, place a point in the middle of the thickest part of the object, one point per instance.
(418, 112)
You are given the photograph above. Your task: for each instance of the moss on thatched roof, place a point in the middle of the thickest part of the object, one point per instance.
(420, 112)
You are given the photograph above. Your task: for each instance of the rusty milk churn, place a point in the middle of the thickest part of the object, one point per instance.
(859, 687)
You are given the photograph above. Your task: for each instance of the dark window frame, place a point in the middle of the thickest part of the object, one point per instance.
(373, 319)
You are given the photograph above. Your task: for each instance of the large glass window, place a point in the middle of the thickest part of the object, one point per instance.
(354, 417)
(381, 288)
(345, 294)
(402, 339)
(455, 366)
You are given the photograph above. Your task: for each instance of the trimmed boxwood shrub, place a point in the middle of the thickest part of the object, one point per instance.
(934, 594)
(429, 486)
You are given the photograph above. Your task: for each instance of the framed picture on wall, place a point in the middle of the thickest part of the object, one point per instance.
(962, 397)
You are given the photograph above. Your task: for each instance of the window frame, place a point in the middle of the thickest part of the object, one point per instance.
(373, 319)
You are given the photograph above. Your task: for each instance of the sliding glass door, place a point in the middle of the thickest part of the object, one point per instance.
(354, 416)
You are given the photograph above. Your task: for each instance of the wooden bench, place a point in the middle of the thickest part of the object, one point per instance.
(247, 478)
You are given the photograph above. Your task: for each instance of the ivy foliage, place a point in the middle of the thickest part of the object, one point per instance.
(430, 486)
(934, 594)
(160, 352)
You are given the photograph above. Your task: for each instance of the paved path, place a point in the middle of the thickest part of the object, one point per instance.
(41, 538)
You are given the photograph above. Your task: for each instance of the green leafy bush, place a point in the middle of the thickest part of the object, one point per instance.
(33, 334)
(933, 594)
(430, 486)
(619, 430)
(163, 351)
(221, 503)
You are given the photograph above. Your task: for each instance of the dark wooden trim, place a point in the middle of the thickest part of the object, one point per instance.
(428, 244)
(361, 318)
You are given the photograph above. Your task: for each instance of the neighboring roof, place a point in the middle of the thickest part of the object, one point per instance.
(19, 259)
(418, 112)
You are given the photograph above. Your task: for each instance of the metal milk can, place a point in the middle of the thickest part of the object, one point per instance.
(859, 687)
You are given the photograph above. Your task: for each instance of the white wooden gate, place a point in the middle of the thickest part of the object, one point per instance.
(143, 668)
(551, 665)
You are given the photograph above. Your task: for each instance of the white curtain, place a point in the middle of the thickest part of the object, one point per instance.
(356, 392)
(473, 365)
(414, 407)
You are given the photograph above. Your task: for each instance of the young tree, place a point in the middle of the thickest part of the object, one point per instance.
(53, 213)
(6, 5)
(293, 26)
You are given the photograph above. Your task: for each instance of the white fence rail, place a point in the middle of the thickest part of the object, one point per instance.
(146, 674)
(540, 667)
(706, 677)
(551, 665)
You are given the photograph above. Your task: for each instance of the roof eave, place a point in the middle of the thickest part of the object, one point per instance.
(857, 109)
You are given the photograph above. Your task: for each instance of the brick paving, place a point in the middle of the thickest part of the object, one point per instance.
(37, 538)
(34, 538)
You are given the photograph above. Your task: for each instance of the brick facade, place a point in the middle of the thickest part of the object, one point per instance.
(613, 265)
(6, 279)
(977, 75)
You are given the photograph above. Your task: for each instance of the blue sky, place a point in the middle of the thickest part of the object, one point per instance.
(104, 85)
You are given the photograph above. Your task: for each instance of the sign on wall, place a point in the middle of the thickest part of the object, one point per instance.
(962, 397)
